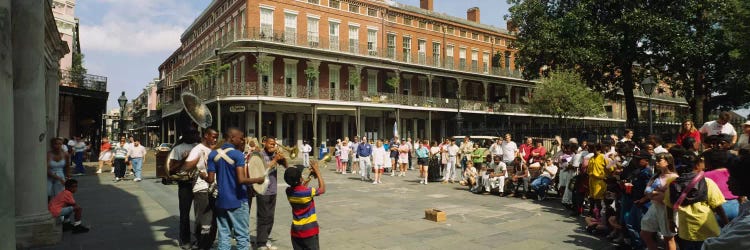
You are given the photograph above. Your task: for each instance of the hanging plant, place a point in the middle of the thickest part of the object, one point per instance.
(262, 67)
(393, 82)
(354, 79)
(312, 73)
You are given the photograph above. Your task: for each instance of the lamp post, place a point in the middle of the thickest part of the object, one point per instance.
(648, 86)
(122, 101)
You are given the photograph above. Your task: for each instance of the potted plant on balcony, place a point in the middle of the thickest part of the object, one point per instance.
(354, 80)
(311, 73)
(393, 82)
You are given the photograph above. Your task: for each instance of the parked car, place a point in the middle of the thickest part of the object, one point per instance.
(164, 147)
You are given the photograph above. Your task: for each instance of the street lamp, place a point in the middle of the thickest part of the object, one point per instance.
(122, 101)
(648, 86)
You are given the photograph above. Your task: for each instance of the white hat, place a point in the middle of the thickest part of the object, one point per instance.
(747, 123)
(573, 140)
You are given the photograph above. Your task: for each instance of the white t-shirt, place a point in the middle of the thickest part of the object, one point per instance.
(199, 152)
(509, 150)
(550, 172)
(496, 149)
(79, 146)
(306, 148)
(715, 128)
(379, 156)
(452, 150)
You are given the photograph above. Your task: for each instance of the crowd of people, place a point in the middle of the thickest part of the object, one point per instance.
(642, 193)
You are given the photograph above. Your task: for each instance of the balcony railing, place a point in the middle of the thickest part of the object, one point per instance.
(83, 81)
(329, 43)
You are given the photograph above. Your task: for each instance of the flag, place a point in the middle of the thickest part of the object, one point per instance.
(395, 129)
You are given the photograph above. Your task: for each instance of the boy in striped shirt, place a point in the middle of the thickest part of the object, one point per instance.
(304, 219)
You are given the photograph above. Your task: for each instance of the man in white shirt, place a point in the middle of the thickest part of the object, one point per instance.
(176, 163)
(136, 156)
(510, 150)
(496, 150)
(719, 126)
(203, 198)
(450, 169)
(306, 149)
(541, 184)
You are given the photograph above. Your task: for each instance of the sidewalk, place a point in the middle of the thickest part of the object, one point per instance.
(352, 215)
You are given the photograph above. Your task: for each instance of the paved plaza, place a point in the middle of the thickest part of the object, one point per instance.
(352, 215)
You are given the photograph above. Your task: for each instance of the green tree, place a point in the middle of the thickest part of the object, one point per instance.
(77, 72)
(601, 40)
(563, 94)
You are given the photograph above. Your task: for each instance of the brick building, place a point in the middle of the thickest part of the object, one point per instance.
(325, 69)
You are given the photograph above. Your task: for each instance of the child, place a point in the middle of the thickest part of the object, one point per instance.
(304, 219)
(695, 213)
(64, 205)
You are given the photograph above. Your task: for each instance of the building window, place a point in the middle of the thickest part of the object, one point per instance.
(353, 39)
(314, 1)
(422, 51)
(313, 37)
(462, 58)
(462, 33)
(290, 79)
(353, 8)
(507, 60)
(391, 46)
(334, 4)
(290, 28)
(334, 78)
(422, 24)
(372, 82)
(486, 38)
(436, 54)
(474, 60)
(436, 27)
(407, 49)
(372, 42)
(372, 12)
(266, 23)
(243, 22)
(486, 62)
(391, 18)
(451, 31)
(407, 21)
(333, 35)
(449, 57)
(475, 36)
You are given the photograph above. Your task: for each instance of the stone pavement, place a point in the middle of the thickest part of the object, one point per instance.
(352, 215)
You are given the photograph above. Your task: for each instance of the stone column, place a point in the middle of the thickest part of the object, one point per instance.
(345, 126)
(250, 123)
(414, 130)
(52, 88)
(324, 130)
(34, 224)
(279, 124)
(486, 88)
(7, 176)
(298, 128)
(381, 127)
(259, 133)
(442, 129)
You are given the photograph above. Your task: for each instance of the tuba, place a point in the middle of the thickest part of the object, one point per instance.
(292, 152)
(201, 115)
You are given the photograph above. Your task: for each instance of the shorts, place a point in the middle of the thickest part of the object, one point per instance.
(403, 160)
(378, 166)
(422, 161)
(655, 220)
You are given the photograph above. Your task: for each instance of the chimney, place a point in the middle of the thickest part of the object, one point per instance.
(473, 14)
(426, 4)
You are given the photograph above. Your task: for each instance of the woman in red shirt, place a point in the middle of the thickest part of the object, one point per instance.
(105, 155)
(688, 130)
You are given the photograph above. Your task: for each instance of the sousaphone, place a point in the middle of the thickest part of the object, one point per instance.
(195, 108)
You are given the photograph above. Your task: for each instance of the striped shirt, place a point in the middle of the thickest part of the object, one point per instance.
(304, 219)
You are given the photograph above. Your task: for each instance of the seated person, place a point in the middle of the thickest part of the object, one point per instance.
(600, 225)
(470, 175)
(63, 205)
(494, 177)
(520, 177)
(545, 178)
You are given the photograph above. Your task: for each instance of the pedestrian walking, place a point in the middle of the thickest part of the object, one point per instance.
(105, 155)
(120, 156)
(364, 153)
(137, 154)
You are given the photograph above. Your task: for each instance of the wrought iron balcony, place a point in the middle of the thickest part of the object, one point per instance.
(83, 81)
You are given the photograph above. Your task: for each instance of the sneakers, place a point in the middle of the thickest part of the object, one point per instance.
(117, 179)
(99, 171)
(137, 179)
(80, 229)
(425, 182)
(374, 182)
(268, 246)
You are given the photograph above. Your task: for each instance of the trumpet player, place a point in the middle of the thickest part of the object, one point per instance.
(267, 201)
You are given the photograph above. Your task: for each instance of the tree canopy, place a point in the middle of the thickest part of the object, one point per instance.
(689, 44)
(565, 95)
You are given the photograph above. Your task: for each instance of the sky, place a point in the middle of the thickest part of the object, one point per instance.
(126, 41)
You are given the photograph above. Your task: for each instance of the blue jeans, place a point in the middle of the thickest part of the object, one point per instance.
(540, 185)
(237, 220)
(78, 159)
(137, 166)
(633, 224)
